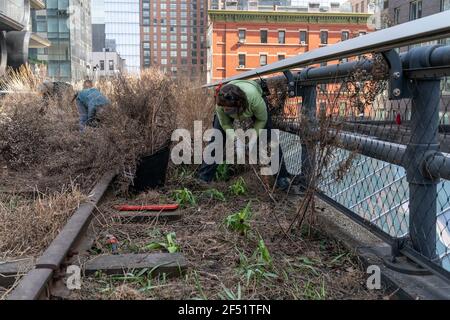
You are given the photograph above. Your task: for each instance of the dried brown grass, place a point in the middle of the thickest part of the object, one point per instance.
(29, 225)
(40, 139)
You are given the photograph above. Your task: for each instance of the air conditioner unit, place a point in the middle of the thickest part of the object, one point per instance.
(241, 66)
(241, 41)
(303, 43)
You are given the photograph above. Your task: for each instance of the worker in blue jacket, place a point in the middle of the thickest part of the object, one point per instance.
(89, 101)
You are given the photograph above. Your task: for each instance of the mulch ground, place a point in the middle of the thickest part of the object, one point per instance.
(222, 263)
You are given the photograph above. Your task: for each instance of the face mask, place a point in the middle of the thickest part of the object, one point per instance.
(230, 111)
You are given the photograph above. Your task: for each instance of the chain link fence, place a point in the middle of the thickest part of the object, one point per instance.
(388, 149)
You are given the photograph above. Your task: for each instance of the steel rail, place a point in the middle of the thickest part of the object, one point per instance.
(33, 284)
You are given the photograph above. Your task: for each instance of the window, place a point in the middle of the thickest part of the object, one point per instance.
(345, 35)
(263, 59)
(281, 36)
(241, 60)
(445, 5)
(324, 37)
(386, 4)
(362, 6)
(111, 65)
(102, 64)
(396, 15)
(303, 37)
(356, 7)
(281, 57)
(241, 35)
(415, 10)
(263, 36)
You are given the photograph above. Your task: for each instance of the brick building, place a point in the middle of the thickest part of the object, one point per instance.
(243, 40)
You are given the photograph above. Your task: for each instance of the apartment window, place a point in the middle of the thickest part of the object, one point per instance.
(362, 7)
(445, 5)
(303, 37)
(263, 59)
(281, 36)
(111, 65)
(415, 10)
(396, 15)
(241, 35)
(281, 57)
(263, 36)
(102, 64)
(146, 45)
(345, 35)
(241, 60)
(386, 4)
(324, 37)
(357, 7)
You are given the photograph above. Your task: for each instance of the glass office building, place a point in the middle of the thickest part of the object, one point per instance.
(67, 24)
(121, 19)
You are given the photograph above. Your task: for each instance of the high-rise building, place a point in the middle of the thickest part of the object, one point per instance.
(120, 19)
(173, 36)
(15, 32)
(67, 24)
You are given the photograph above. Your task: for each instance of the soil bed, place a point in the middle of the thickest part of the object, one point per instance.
(226, 264)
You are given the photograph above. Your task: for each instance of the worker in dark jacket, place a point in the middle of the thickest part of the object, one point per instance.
(89, 102)
(240, 100)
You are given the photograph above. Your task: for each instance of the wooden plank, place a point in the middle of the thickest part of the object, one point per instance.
(169, 263)
(140, 216)
(10, 270)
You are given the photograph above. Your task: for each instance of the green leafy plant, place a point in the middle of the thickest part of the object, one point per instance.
(215, 194)
(184, 197)
(313, 291)
(258, 265)
(263, 253)
(239, 221)
(223, 172)
(239, 187)
(230, 295)
(170, 244)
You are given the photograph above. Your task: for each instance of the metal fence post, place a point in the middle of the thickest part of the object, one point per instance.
(422, 187)
(308, 111)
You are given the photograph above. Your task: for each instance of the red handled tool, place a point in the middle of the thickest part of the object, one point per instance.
(155, 207)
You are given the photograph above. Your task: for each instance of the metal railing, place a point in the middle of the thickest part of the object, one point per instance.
(389, 162)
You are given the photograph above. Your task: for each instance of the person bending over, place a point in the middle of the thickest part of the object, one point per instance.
(241, 100)
(89, 102)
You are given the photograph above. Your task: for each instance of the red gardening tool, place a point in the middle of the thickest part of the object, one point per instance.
(153, 207)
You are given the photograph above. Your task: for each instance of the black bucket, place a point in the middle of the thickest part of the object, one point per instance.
(151, 171)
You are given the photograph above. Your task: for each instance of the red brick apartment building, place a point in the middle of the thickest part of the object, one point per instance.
(244, 40)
